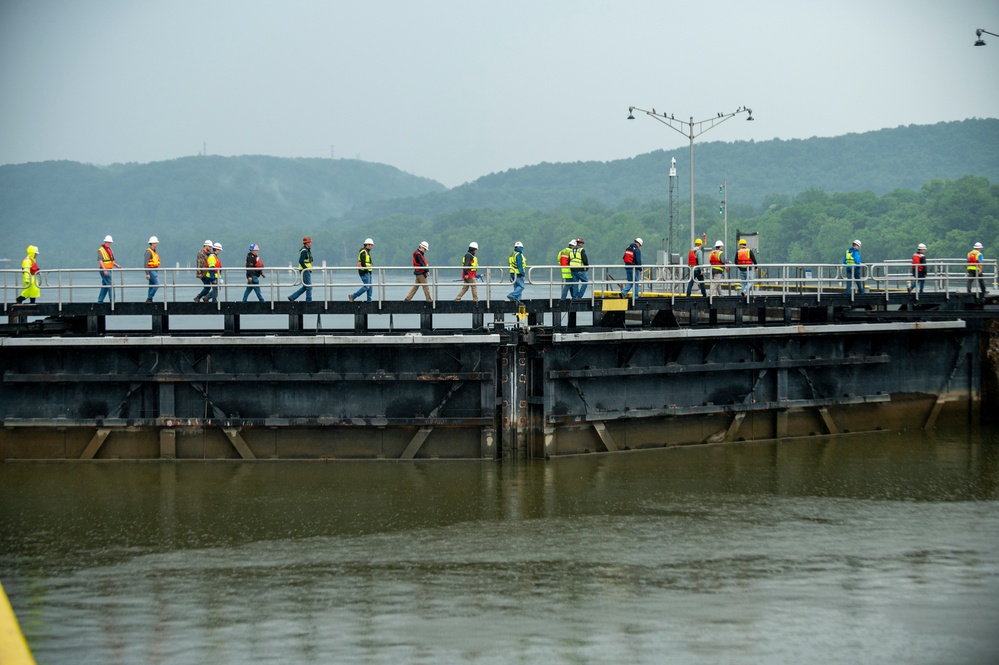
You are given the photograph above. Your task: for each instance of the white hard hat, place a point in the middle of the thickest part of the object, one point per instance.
(719, 243)
(473, 245)
(218, 246)
(153, 239)
(573, 243)
(424, 245)
(978, 245)
(369, 241)
(638, 240)
(208, 243)
(108, 239)
(518, 244)
(857, 243)
(921, 246)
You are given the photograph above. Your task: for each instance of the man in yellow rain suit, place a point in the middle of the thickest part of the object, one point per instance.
(29, 272)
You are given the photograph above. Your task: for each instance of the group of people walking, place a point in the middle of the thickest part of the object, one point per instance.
(745, 260)
(572, 260)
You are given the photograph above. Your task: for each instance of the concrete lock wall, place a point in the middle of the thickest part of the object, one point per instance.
(508, 395)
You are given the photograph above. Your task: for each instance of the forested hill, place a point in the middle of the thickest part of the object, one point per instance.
(65, 206)
(880, 162)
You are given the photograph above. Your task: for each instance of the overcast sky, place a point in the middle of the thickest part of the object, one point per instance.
(454, 90)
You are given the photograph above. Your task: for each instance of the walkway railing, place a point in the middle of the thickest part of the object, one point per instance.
(889, 279)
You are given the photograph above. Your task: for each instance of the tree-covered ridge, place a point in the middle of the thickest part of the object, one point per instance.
(879, 161)
(813, 227)
(183, 201)
(794, 192)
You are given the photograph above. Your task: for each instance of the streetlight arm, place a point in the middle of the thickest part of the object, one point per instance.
(700, 125)
(661, 117)
(983, 31)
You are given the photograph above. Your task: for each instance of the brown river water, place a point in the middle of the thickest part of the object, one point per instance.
(855, 549)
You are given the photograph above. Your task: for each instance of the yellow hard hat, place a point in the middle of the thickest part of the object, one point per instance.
(697, 241)
(742, 241)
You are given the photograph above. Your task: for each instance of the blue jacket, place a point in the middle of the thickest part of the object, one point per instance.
(637, 252)
(853, 251)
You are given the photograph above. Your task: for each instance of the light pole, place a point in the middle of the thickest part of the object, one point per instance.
(979, 33)
(694, 129)
(723, 209)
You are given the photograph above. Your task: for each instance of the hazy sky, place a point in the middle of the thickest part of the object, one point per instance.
(454, 90)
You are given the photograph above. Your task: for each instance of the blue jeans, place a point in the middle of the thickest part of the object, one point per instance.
(207, 281)
(154, 279)
(697, 276)
(630, 277)
(306, 287)
(747, 279)
(854, 273)
(518, 288)
(366, 281)
(252, 289)
(581, 278)
(106, 291)
(568, 287)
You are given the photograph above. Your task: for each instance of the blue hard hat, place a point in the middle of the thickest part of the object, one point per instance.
(254, 246)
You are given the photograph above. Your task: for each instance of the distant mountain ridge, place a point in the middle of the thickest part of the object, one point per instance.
(68, 207)
(880, 161)
(184, 200)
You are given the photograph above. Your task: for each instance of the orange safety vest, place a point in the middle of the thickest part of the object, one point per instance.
(743, 257)
(154, 259)
(106, 256)
(692, 258)
(716, 261)
(974, 258)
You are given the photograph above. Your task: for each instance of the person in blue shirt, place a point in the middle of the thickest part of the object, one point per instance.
(854, 268)
(518, 270)
(632, 265)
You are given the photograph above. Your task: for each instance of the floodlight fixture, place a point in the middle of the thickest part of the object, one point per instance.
(979, 33)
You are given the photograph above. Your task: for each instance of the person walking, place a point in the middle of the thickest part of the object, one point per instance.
(975, 271)
(632, 266)
(152, 262)
(518, 270)
(579, 264)
(254, 271)
(717, 261)
(105, 261)
(918, 269)
(202, 260)
(854, 268)
(364, 270)
(304, 267)
(213, 269)
(469, 269)
(421, 269)
(568, 282)
(745, 258)
(696, 275)
(29, 279)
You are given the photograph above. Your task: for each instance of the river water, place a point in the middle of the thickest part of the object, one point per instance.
(854, 549)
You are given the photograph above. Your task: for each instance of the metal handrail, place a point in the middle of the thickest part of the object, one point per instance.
(330, 284)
